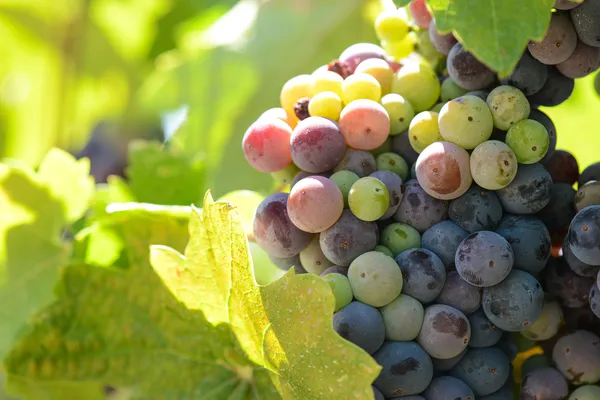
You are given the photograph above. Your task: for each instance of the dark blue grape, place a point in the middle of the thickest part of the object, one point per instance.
(545, 120)
(401, 146)
(586, 20)
(476, 210)
(577, 266)
(504, 393)
(529, 75)
(546, 383)
(560, 281)
(348, 238)
(460, 294)
(590, 173)
(559, 212)
(448, 387)
(484, 370)
(443, 239)
(393, 183)
(584, 235)
(577, 357)
(360, 324)
(444, 365)
(595, 299)
(483, 332)
(529, 239)
(555, 91)
(420, 210)
(423, 272)
(378, 395)
(515, 303)
(445, 332)
(406, 369)
(529, 192)
(508, 345)
(484, 259)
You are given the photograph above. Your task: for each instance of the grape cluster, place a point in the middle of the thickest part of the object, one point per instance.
(440, 213)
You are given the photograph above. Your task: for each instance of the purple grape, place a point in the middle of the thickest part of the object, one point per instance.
(460, 294)
(529, 239)
(584, 60)
(423, 272)
(571, 290)
(443, 43)
(378, 395)
(394, 185)
(448, 387)
(528, 76)
(546, 383)
(586, 20)
(483, 332)
(595, 299)
(584, 235)
(467, 71)
(560, 210)
(484, 259)
(529, 192)
(445, 332)
(559, 42)
(348, 238)
(335, 270)
(418, 209)
(286, 263)
(555, 91)
(360, 324)
(484, 370)
(577, 357)
(443, 239)
(361, 162)
(303, 174)
(562, 166)
(476, 210)
(359, 52)
(401, 145)
(317, 145)
(577, 266)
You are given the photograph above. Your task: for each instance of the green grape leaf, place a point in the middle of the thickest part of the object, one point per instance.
(402, 3)
(496, 32)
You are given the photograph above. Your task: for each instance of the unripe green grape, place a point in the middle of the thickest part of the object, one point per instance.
(450, 90)
(368, 199)
(382, 249)
(386, 147)
(360, 86)
(285, 176)
(424, 130)
(399, 237)
(493, 165)
(508, 106)
(378, 69)
(340, 286)
(390, 25)
(326, 105)
(399, 49)
(312, 258)
(393, 162)
(529, 140)
(426, 48)
(438, 107)
(326, 81)
(344, 180)
(466, 121)
(400, 110)
(403, 318)
(375, 278)
(587, 392)
(419, 84)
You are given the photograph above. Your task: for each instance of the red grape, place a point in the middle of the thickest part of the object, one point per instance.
(266, 144)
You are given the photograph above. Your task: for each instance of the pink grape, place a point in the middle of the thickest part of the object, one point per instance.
(359, 52)
(315, 204)
(443, 170)
(266, 144)
(365, 124)
(317, 145)
(420, 13)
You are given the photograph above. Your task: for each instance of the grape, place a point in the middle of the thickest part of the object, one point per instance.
(590, 173)
(584, 235)
(360, 86)
(466, 121)
(406, 369)
(528, 76)
(341, 289)
(368, 199)
(386, 147)
(286, 175)
(303, 174)
(399, 49)
(401, 145)
(317, 145)
(508, 106)
(547, 325)
(418, 209)
(577, 266)
(276, 112)
(420, 13)
(425, 48)
(378, 69)
(437, 108)
(508, 346)
(565, 4)
(393, 183)
(348, 238)
(382, 249)
(572, 290)
(559, 42)
(399, 237)
(424, 130)
(443, 239)
(423, 274)
(450, 90)
(361, 162)
(515, 303)
(484, 259)
(529, 192)
(482, 94)
(365, 124)
(375, 278)
(582, 318)
(360, 324)
(285, 263)
(529, 140)
(448, 387)
(584, 60)
(529, 240)
(467, 71)
(445, 331)
(274, 231)
(563, 167)
(484, 370)
(504, 393)
(314, 204)
(326, 105)
(587, 392)
(587, 195)
(483, 332)
(444, 365)
(359, 52)
(533, 363)
(443, 170)
(344, 181)
(577, 357)
(417, 83)
(394, 163)
(560, 210)
(476, 210)
(266, 144)
(586, 20)
(390, 25)
(400, 110)
(326, 81)
(378, 395)
(493, 165)
(545, 383)
(335, 270)
(403, 318)
(460, 294)
(312, 258)
(443, 43)
(296, 88)
(543, 119)
(556, 90)
(413, 171)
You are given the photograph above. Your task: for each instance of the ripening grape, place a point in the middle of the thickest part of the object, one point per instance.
(326, 81)
(466, 121)
(312, 258)
(391, 25)
(368, 199)
(294, 89)
(394, 163)
(529, 140)
(508, 106)
(375, 278)
(360, 86)
(419, 84)
(344, 179)
(493, 165)
(380, 70)
(400, 111)
(317, 145)
(395, 188)
(361, 162)
(365, 124)
(286, 175)
(424, 130)
(340, 286)
(548, 324)
(266, 144)
(315, 203)
(443, 43)
(450, 90)
(559, 42)
(584, 60)
(326, 105)
(467, 71)
(359, 52)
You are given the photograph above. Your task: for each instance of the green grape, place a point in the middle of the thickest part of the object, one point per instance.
(399, 237)
(312, 258)
(426, 48)
(326, 105)
(587, 392)
(508, 106)
(418, 83)
(265, 271)
(285, 176)
(403, 318)
(393, 162)
(378, 69)
(375, 278)
(382, 249)
(344, 180)
(493, 165)
(466, 121)
(390, 25)
(326, 81)
(386, 147)
(360, 86)
(399, 49)
(400, 110)
(438, 107)
(450, 90)
(340, 286)
(368, 199)
(529, 140)
(424, 130)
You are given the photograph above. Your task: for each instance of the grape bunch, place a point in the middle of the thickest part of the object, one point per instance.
(434, 202)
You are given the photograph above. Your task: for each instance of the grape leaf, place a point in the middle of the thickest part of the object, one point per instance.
(496, 32)
(284, 327)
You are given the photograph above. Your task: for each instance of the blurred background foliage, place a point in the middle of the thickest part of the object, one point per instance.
(91, 76)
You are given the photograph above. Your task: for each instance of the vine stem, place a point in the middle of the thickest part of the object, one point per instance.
(388, 5)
